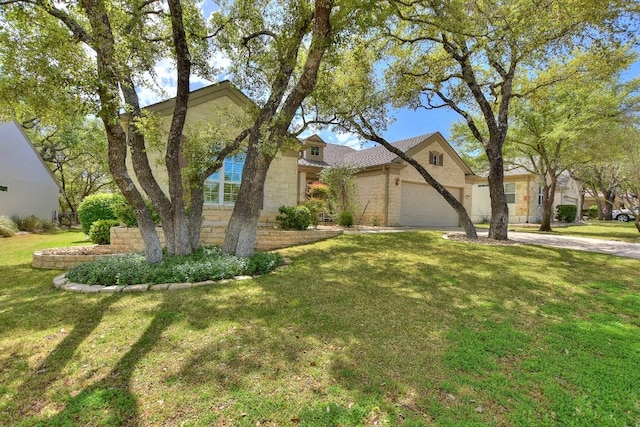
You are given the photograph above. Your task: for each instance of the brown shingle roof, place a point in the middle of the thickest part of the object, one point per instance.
(340, 154)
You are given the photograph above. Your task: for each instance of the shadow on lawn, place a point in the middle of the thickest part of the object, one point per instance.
(107, 402)
(402, 337)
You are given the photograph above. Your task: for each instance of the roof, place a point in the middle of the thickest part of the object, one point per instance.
(204, 94)
(379, 155)
(335, 154)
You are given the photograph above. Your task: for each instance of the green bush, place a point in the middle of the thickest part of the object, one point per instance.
(29, 223)
(8, 228)
(124, 212)
(207, 263)
(566, 213)
(316, 207)
(346, 219)
(95, 207)
(32, 224)
(593, 212)
(294, 217)
(100, 233)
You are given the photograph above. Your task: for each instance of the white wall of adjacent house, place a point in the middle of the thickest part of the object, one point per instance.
(26, 185)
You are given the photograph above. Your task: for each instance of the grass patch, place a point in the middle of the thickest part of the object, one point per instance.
(378, 329)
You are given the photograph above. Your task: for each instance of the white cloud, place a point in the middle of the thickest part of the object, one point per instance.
(343, 138)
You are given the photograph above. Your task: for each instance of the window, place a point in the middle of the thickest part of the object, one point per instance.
(315, 150)
(435, 158)
(221, 188)
(510, 192)
(540, 196)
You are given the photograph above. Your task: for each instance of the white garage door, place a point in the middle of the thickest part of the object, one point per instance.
(421, 205)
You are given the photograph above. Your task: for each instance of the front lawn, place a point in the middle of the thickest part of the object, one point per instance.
(378, 329)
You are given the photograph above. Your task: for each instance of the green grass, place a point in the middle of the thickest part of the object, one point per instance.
(384, 329)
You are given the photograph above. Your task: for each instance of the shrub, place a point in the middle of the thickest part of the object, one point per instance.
(8, 228)
(29, 223)
(346, 219)
(316, 207)
(318, 190)
(208, 263)
(100, 231)
(32, 224)
(95, 207)
(294, 217)
(262, 262)
(567, 213)
(593, 212)
(124, 211)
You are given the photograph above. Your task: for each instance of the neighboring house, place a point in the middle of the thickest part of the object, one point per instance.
(27, 186)
(225, 107)
(524, 196)
(389, 191)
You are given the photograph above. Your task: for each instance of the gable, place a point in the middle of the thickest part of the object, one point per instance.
(20, 159)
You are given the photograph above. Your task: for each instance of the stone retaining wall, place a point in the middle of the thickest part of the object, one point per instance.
(61, 262)
(128, 239)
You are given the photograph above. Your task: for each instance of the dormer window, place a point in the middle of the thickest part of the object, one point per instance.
(315, 150)
(435, 158)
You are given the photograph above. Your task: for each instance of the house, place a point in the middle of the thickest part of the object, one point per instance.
(388, 190)
(524, 196)
(27, 186)
(224, 110)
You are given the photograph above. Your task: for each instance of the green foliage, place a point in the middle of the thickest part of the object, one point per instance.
(346, 219)
(8, 228)
(100, 233)
(95, 207)
(316, 207)
(567, 213)
(207, 263)
(262, 262)
(32, 224)
(124, 212)
(294, 217)
(341, 185)
(29, 223)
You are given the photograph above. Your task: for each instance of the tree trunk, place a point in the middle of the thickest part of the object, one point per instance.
(547, 204)
(499, 224)
(110, 113)
(243, 226)
(609, 198)
(196, 203)
(270, 128)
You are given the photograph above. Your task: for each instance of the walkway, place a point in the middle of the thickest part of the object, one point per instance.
(623, 249)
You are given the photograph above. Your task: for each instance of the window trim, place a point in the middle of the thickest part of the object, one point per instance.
(510, 193)
(436, 158)
(222, 182)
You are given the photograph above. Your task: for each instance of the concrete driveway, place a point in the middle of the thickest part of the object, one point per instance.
(623, 249)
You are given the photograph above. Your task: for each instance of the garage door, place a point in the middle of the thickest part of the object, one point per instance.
(421, 205)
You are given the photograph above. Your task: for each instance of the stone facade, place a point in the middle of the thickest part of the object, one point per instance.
(128, 239)
(61, 262)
